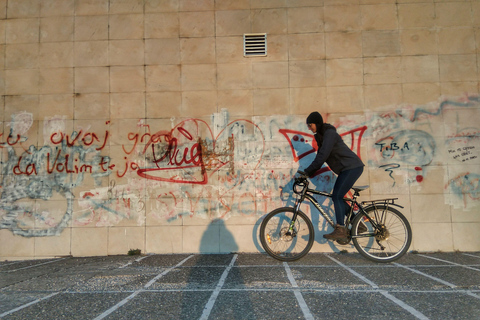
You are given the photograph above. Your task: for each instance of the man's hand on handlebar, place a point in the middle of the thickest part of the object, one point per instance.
(300, 176)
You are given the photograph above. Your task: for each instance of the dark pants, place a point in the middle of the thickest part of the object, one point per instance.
(345, 181)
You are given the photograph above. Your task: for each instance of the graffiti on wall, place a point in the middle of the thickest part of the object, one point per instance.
(220, 168)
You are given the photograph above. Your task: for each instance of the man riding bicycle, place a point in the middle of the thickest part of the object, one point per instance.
(333, 151)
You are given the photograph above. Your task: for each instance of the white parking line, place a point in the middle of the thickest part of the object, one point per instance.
(33, 266)
(298, 294)
(405, 306)
(471, 255)
(387, 295)
(131, 262)
(130, 297)
(358, 275)
(28, 304)
(450, 262)
(451, 285)
(209, 306)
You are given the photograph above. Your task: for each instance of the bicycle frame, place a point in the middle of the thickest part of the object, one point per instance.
(307, 193)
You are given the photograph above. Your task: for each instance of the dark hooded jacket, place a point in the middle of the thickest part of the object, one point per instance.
(333, 151)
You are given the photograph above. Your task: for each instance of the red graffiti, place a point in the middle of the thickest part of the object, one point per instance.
(85, 138)
(184, 149)
(294, 137)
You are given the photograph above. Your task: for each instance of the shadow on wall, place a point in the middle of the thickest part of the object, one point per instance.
(217, 239)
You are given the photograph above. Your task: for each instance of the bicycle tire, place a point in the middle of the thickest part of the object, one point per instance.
(275, 238)
(385, 245)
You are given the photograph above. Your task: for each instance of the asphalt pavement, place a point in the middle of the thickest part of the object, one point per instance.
(242, 286)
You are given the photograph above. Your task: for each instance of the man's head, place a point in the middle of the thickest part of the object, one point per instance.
(314, 121)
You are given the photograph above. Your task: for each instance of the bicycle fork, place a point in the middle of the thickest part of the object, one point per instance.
(291, 230)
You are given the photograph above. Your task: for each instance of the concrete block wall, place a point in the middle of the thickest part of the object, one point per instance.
(132, 124)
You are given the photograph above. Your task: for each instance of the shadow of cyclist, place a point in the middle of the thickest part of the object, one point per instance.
(207, 277)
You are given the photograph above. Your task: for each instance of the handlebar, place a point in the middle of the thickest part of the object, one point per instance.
(300, 185)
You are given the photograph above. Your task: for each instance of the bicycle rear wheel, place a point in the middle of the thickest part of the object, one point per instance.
(386, 242)
(281, 243)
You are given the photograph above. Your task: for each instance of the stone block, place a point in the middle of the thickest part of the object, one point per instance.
(164, 104)
(123, 239)
(381, 43)
(56, 55)
(344, 72)
(270, 75)
(234, 76)
(91, 28)
(232, 23)
(127, 79)
(91, 53)
(199, 77)
(199, 103)
(308, 73)
(343, 45)
(306, 46)
(345, 98)
(56, 29)
(419, 41)
(382, 70)
(126, 26)
(198, 50)
(456, 41)
(270, 21)
(197, 24)
(305, 20)
(420, 93)
(271, 102)
(237, 102)
(89, 242)
(342, 18)
(22, 81)
(164, 239)
(416, 15)
(379, 17)
(457, 67)
(127, 105)
(162, 25)
(126, 52)
(163, 78)
(22, 30)
(92, 106)
(91, 7)
(162, 51)
(92, 80)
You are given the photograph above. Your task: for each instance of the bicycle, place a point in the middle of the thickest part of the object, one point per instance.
(378, 231)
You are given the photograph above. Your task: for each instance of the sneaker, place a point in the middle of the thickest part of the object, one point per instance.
(340, 233)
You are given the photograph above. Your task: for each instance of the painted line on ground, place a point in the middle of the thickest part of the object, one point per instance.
(450, 262)
(28, 305)
(131, 262)
(471, 255)
(358, 275)
(134, 294)
(298, 294)
(405, 306)
(33, 266)
(387, 295)
(451, 285)
(211, 302)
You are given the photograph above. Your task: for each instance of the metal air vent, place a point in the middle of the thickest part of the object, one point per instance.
(255, 44)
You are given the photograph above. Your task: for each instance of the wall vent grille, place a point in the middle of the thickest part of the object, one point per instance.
(255, 45)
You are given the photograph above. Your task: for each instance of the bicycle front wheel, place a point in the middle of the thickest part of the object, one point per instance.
(382, 236)
(282, 242)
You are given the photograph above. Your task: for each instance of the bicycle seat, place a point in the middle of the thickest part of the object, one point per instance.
(360, 188)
